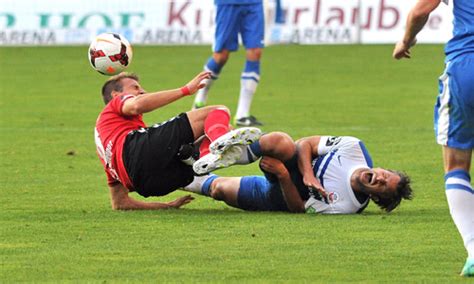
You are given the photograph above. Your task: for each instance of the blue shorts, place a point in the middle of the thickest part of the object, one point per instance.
(248, 20)
(454, 109)
(263, 193)
(256, 193)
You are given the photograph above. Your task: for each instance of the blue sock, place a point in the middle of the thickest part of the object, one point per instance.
(214, 67)
(206, 186)
(459, 180)
(252, 70)
(255, 150)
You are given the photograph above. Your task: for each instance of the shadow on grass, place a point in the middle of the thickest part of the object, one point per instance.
(232, 212)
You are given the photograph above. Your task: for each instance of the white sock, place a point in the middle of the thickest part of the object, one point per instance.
(248, 86)
(247, 156)
(196, 185)
(460, 197)
(201, 96)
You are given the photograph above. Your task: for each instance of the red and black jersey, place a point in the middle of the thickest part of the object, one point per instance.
(111, 129)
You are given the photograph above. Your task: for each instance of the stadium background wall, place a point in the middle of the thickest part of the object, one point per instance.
(190, 22)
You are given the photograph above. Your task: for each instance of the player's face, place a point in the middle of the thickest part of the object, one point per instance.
(378, 181)
(131, 87)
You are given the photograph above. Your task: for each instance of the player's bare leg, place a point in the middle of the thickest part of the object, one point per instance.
(197, 118)
(226, 189)
(219, 188)
(232, 149)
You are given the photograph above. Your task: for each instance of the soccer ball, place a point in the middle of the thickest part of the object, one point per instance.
(110, 53)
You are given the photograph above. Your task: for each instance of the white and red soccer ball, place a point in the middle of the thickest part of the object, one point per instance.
(110, 53)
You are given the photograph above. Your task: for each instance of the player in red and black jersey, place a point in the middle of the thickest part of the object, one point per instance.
(145, 159)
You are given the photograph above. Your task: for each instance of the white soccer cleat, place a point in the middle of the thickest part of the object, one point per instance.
(239, 136)
(212, 162)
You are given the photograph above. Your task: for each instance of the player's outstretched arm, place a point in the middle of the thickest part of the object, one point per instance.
(416, 20)
(151, 101)
(290, 193)
(307, 149)
(122, 201)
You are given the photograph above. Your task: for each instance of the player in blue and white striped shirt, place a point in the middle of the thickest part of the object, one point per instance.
(454, 111)
(329, 175)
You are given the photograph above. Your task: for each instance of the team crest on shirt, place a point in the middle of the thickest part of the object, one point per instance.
(333, 197)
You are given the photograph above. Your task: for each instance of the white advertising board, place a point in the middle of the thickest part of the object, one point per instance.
(387, 22)
(177, 22)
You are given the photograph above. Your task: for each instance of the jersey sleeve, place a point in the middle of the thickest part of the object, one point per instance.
(350, 147)
(117, 103)
(332, 143)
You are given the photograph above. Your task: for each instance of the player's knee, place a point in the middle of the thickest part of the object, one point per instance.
(278, 145)
(282, 137)
(224, 108)
(204, 111)
(254, 54)
(281, 141)
(217, 190)
(221, 57)
(456, 159)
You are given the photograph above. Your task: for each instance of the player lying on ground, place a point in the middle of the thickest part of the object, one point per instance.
(331, 175)
(147, 159)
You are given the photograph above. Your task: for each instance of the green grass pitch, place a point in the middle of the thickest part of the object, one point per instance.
(57, 225)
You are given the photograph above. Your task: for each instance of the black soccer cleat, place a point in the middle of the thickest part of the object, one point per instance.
(247, 121)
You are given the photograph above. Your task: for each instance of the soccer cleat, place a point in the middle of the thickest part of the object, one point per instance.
(247, 121)
(239, 136)
(468, 269)
(212, 162)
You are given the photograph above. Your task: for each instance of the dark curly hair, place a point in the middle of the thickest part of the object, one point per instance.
(403, 191)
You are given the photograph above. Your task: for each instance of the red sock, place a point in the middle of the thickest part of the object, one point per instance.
(204, 147)
(216, 124)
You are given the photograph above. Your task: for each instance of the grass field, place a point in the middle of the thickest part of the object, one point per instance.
(57, 225)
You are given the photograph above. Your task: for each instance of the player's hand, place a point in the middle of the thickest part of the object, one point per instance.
(198, 82)
(178, 202)
(274, 166)
(402, 50)
(313, 184)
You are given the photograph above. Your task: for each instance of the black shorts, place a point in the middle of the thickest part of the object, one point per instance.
(149, 156)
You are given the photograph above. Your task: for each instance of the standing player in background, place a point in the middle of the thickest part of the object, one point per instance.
(234, 17)
(454, 111)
